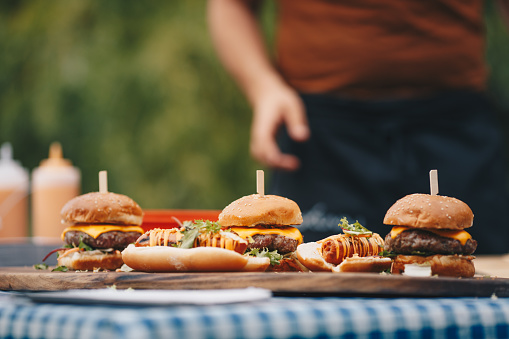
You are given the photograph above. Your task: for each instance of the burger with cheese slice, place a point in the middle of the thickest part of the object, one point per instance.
(267, 223)
(428, 230)
(100, 226)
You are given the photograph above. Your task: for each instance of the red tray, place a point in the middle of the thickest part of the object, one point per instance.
(165, 218)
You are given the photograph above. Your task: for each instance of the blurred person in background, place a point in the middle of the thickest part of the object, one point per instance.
(363, 100)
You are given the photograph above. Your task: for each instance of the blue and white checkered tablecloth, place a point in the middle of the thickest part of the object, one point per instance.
(278, 317)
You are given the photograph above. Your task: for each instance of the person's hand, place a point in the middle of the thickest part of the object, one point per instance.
(275, 106)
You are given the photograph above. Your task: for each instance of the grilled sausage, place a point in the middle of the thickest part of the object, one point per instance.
(336, 248)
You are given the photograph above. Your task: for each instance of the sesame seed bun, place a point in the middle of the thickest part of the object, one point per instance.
(255, 209)
(102, 208)
(430, 211)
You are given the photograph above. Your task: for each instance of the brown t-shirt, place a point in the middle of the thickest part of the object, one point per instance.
(381, 48)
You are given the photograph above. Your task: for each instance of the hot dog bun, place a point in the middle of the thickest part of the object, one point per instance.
(309, 255)
(364, 264)
(198, 259)
(173, 259)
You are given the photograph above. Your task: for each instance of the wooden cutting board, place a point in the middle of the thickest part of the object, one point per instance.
(323, 283)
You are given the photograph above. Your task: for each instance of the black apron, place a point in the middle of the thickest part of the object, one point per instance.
(364, 155)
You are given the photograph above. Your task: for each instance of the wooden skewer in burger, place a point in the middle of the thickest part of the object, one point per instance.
(267, 223)
(428, 233)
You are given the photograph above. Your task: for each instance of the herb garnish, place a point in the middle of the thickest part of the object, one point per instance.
(389, 254)
(60, 269)
(354, 229)
(421, 253)
(81, 245)
(274, 257)
(41, 266)
(192, 229)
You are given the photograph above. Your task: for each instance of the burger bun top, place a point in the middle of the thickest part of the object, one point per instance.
(256, 209)
(102, 208)
(430, 211)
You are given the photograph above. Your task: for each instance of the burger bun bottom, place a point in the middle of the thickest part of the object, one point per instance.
(91, 260)
(441, 265)
(309, 255)
(199, 259)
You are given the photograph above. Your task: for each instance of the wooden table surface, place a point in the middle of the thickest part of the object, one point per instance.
(491, 279)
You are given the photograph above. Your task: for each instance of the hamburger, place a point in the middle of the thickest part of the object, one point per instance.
(99, 226)
(267, 223)
(428, 230)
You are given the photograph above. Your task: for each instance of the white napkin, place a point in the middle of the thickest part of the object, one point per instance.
(151, 297)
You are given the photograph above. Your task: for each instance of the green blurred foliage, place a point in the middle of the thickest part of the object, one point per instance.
(131, 87)
(136, 88)
(497, 54)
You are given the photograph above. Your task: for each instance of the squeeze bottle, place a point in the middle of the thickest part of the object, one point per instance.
(13, 195)
(54, 183)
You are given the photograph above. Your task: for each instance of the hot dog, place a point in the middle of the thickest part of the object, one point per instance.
(336, 248)
(354, 251)
(196, 246)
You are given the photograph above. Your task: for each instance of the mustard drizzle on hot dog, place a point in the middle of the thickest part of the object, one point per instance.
(221, 239)
(338, 247)
(161, 237)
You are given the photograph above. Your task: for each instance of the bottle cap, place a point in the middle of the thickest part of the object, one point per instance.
(12, 174)
(55, 157)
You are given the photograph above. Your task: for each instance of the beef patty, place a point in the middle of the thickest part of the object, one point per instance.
(273, 242)
(113, 239)
(418, 240)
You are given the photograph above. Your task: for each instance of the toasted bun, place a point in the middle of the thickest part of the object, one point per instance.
(91, 260)
(172, 259)
(102, 208)
(258, 209)
(309, 255)
(364, 264)
(442, 265)
(255, 264)
(430, 211)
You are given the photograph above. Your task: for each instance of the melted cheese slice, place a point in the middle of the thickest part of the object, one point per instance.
(290, 232)
(96, 230)
(460, 235)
